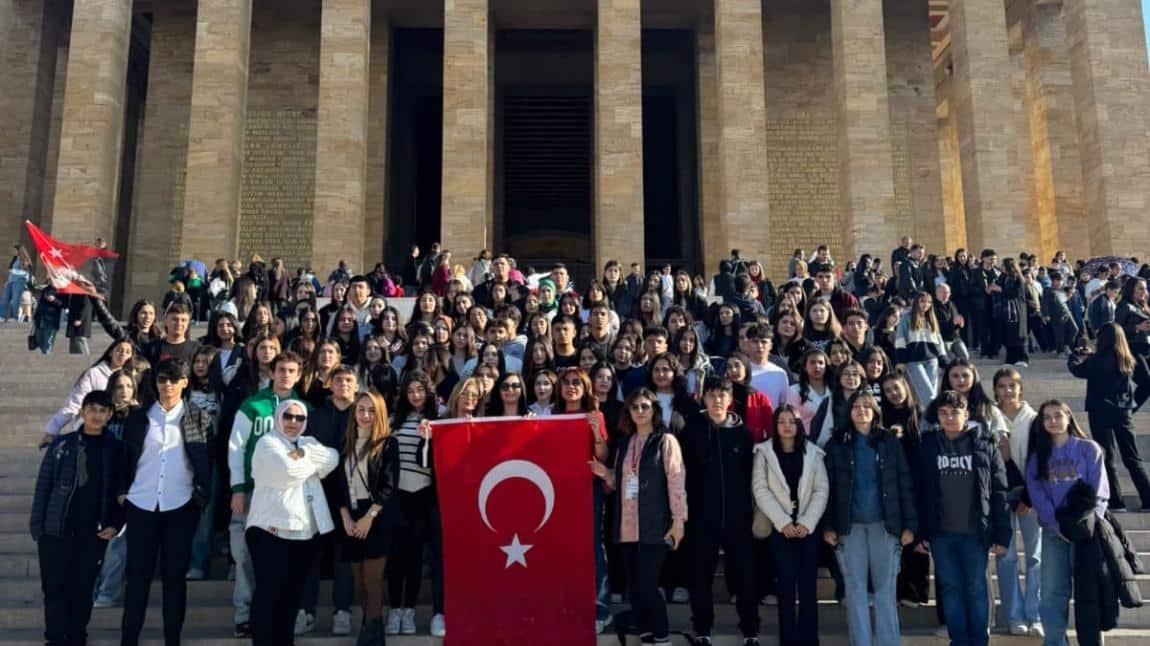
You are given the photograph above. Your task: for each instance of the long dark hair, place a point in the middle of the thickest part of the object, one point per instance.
(1112, 343)
(841, 433)
(152, 334)
(403, 407)
(1040, 444)
(980, 405)
(805, 380)
(627, 426)
(800, 434)
(494, 406)
(891, 412)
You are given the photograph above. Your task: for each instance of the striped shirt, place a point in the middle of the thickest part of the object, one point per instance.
(412, 476)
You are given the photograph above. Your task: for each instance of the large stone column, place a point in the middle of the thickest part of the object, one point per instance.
(710, 219)
(1111, 92)
(1053, 130)
(466, 202)
(27, 79)
(216, 130)
(984, 109)
(743, 192)
(374, 218)
(6, 12)
(88, 171)
(341, 135)
(618, 224)
(866, 177)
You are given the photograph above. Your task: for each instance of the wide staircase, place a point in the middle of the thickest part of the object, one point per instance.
(33, 386)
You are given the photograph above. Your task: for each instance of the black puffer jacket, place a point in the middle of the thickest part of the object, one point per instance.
(718, 459)
(993, 512)
(895, 483)
(1095, 591)
(57, 481)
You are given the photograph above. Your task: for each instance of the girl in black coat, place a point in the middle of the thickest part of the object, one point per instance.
(364, 495)
(1012, 316)
(1117, 384)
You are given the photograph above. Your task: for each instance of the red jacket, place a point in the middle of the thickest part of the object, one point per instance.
(760, 416)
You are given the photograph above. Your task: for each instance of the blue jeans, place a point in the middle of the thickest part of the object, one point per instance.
(10, 301)
(203, 543)
(1057, 586)
(960, 563)
(245, 575)
(1020, 604)
(602, 590)
(46, 337)
(110, 583)
(923, 378)
(870, 551)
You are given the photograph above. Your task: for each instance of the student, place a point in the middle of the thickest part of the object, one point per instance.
(1014, 323)
(202, 393)
(765, 376)
(753, 407)
(74, 515)
(919, 347)
(963, 512)
(167, 480)
(789, 482)
(46, 319)
(1060, 457)
(717, 457)
(1019, 605)
(175, 342)
(365, 491)
(543, 392)
(647, 484)
(870, 513)
(288, 510)
(254, 419)
(902, 415)
(1117, 384)
(1133, 314)
(834, 412)
(122, 389)
(118, 354)
(812, 389)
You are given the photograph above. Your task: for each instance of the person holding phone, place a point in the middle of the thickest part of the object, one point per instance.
(648, 482)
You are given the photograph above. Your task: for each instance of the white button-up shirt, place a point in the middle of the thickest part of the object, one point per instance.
(163, 475)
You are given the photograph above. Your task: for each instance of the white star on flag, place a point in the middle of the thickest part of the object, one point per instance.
(516, 552)
(56, 253)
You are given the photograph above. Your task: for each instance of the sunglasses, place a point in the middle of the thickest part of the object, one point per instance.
(573, 383)
(164, 381)
(641, 408)
(511, 385)
(290, 417)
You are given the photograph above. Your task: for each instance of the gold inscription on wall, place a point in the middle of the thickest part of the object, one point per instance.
(803, 166)
(900, 162)
(278, 185)
(179, 186)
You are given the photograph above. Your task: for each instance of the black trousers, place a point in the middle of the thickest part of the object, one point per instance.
(985, 326)
(643, 564)
(1114, 430)
(281, 568)
(797, 564)
(69, 566)
(739, 554)
(914, 576)
(424, 535)
(166, 536)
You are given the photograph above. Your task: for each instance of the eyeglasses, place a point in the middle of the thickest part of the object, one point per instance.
(165, 381)
(511, 385)
(573, 383)
(291, 417)
(642, 407)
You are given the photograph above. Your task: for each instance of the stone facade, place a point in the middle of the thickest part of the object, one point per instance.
(269, 127)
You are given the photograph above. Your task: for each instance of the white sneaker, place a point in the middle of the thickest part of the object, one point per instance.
(304, 622)
(601, 624)
(394, 616)
(909, 603)
(407, 621)
(942, 632)
(1019, 630)
(1037, 631)
(194, 574)
(679, 595)
(341, 623)
(1021, 364)
(771, 600)
(438, 626)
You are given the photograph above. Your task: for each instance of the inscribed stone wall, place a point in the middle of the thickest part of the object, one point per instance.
(802, 140)
(278, 185)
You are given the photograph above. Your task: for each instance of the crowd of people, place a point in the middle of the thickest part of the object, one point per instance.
(835, 420)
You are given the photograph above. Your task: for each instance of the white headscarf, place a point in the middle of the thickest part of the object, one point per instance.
(278, 416)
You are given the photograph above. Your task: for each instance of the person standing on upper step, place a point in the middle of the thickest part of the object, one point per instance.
(175, 343)
(167, 480)
(718, 459)
(74, 515)
(963, 512)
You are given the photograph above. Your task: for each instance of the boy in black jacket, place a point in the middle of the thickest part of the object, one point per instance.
(74, 514)
(718, 456)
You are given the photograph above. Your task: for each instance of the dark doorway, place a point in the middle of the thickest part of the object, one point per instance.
(416, 140)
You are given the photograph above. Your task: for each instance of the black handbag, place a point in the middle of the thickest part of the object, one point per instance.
(33, 344)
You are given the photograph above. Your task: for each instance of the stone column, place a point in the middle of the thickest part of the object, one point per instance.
(27, 79)
(1111, 91)
(6, 12)
(710, 220)
(88, 171)
(866, 178)
(743, 191)
(216, 130)
(984, 109)
(374, 218)
(341, 135)
(157, 215)
(618, 223)
(1053, 131)
(466, 202)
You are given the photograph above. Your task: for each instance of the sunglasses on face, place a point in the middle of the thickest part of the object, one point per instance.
(291, 417)
(573, 383)
(641, 408)
(164, 381)
(511, 385)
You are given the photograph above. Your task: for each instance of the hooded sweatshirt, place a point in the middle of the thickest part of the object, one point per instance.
(718, 460)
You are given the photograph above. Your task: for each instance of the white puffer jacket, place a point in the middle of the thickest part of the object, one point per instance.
(286, 490)
(773, 495)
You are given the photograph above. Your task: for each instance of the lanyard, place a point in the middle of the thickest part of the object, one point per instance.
(636, 454)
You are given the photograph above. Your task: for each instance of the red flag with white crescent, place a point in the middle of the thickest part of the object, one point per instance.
(515, 498)
(72, 269)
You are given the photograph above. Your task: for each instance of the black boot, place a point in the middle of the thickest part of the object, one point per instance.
(371, 634)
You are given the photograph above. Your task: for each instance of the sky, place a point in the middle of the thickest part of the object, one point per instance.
(1146, 18)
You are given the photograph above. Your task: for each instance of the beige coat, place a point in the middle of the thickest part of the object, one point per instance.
(773, 496)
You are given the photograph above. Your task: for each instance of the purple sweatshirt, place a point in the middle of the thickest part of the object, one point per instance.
(1078, 459)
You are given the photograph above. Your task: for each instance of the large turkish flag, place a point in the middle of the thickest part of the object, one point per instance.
(515, 499)
(72, 269)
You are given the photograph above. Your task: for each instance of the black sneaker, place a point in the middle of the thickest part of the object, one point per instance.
(243, 631)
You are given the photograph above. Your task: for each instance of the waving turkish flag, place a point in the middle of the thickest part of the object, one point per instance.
(515, 499)
(72, 269)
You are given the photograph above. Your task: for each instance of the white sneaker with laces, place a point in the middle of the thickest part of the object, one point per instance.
(407, 622)
(341, 623)
(304, 622)
(394, 616)
(1037, 631)
(438, 626)
(679, 595)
